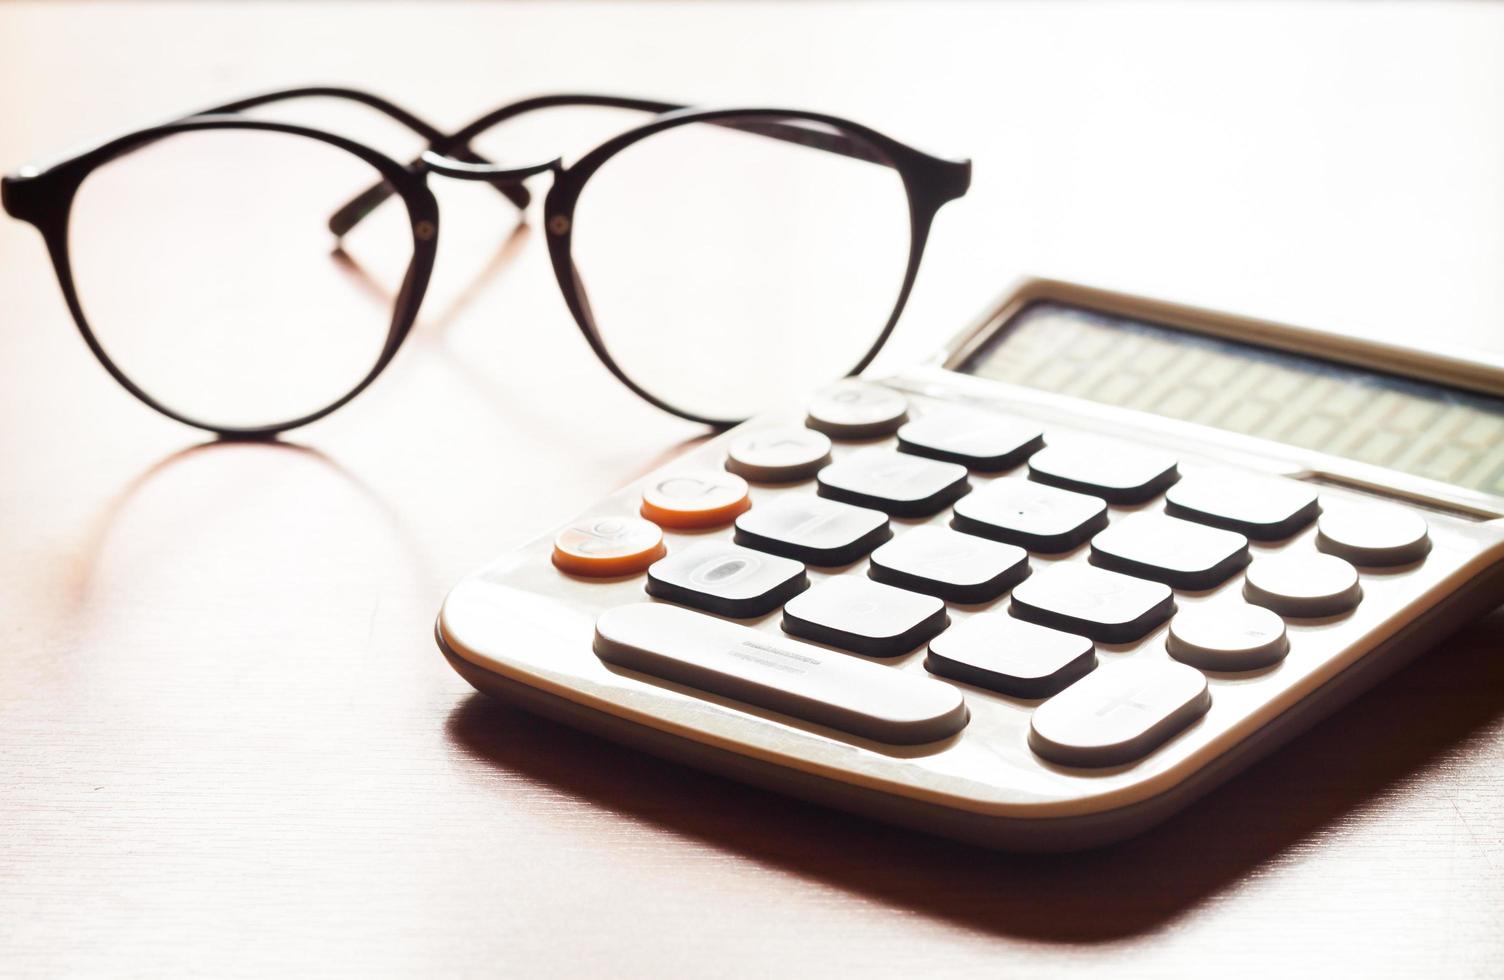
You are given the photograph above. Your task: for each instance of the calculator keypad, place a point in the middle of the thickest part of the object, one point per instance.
(1031, 515)
(1118, 472)
(900, 484)
(864, 617)
(949, 565)
(983, 441)
(1011, 656)
(1263, 508)
(1041, 619)
(1106, 606)
(813, 530)
(726, 579)
(1178, 553)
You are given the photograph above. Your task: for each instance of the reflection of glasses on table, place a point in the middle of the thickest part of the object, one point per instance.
(193, 257)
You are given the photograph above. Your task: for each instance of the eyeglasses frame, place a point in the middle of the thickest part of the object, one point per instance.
(43, 197)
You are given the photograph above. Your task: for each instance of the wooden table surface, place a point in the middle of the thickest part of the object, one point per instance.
(228, 744)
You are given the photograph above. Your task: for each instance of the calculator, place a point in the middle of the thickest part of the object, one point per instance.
(1039, 593)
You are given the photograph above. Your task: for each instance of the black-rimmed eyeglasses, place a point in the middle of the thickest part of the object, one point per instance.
(733, 255)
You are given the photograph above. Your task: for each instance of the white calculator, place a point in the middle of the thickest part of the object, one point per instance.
(1099, 555)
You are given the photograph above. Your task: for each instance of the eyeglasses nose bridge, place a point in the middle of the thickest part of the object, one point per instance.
(486, 172)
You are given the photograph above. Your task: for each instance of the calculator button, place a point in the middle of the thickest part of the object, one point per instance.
(1118, 714)
(1181, 554)
(778, 455)
(1227, 636)
(1106, 606)
(1011, 656)
(1118, 472)
(980, 440)
(902, 485)
(1264, 508)
(857, 410)
(709, 498)
(1303, 585)
(812, 529)
(604, 547)
(1375, 535)
(779, 674)
(949, 565)
(864, 617)
(722, 578)
(1030, 515)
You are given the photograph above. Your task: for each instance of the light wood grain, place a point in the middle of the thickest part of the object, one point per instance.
(228, 745)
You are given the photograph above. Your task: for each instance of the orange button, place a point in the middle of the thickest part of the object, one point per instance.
(707, 498)
(601, 547)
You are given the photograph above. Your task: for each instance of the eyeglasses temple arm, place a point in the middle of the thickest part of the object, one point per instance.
(457, 145)
(515, 193)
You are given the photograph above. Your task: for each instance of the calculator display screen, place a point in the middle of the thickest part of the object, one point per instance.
(1416, 427)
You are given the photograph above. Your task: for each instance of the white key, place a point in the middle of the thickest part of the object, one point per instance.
(1265, 508)
(865, 617)
(1118, 713)
(854, 409)
(778, 455)
(983, 441)
(1119, 472)
(1009, 655)
(1227, 636)
(1030, 515)
(1303, 585)
(1093, 602)
(812, 529)
(955, 567)
(779, 674)
(726, 579)
(899, 483)
(1375, 535)
(1181, 554)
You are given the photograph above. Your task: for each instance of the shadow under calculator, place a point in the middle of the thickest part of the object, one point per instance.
(1399, 731)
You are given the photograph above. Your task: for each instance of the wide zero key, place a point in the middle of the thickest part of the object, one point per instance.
(857, 410)
(1030, 515)
(1118, 472)
(779, 674)
(902, 485)
(1181, 554)
(725, 579)
(1011, 656)
(950, 565)
(1119, 713)
(812, 529)
(1373, 535)
(864, 617)
(778, 455)
(1264, 508)
(980, 440)
(1303, 585)
(1106, 606)
(1227, 636)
